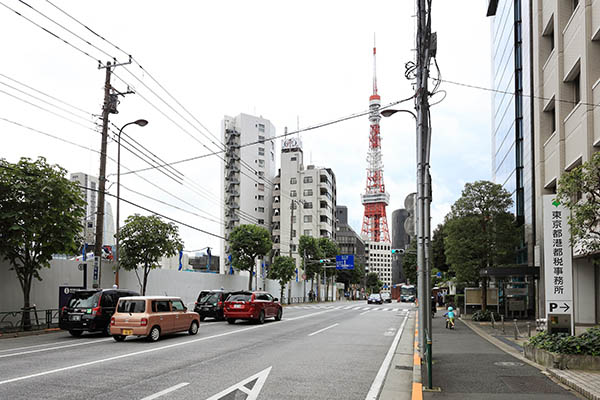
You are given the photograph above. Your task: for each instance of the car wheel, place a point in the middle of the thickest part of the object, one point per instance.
(261, 317)
(202, 318)
(154, 334)
(106, 330)
(119, 338)
(193, 328)
(76, 333)
(230, 321)
(279, 314)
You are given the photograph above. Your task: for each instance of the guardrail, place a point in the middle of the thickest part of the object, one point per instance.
(15, 321)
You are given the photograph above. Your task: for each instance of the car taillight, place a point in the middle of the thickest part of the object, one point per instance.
(144, 322)
(96, 310)
(112, 321)
(220, 304)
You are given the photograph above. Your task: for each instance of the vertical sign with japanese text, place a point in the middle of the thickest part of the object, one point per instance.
(558, 271)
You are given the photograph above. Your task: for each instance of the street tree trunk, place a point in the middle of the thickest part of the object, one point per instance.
(26, 322)
(281, 286)
(250, 278)
(146, 272)
(483, 294)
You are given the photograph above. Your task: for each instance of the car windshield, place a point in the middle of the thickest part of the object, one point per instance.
(239, 297)
(374, 296)
(208, 297)
(132, 306)
(386, 295)
(84, 300)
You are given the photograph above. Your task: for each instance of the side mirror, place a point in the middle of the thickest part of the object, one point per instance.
(275, 299)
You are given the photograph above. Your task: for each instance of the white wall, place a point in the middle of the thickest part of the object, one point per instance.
(583, 282)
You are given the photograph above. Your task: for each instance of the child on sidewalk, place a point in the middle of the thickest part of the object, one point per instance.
(450, 318)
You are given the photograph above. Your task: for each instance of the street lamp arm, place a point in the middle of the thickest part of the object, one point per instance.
(389, 112)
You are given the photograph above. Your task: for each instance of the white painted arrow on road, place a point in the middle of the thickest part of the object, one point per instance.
(250, 386)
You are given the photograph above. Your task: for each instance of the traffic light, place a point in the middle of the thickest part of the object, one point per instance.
(324, 260)
(398, 251)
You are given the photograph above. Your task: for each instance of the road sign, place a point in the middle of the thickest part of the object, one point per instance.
(558, 270)
(344, 261)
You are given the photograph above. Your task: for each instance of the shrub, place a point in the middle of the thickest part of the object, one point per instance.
(588, 343)
(485, 316)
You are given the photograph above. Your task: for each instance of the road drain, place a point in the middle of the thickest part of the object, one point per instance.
(404, 367)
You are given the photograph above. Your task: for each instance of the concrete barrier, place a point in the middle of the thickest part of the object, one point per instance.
(561, 361)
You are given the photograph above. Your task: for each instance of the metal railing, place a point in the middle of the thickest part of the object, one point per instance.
(15, 321)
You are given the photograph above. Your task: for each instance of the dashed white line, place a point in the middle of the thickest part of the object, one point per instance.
(321, 330)
(54, 348)
(364, 312)
(163, 392)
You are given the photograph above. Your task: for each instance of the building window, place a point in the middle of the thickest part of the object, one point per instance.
(261, 221)
(293, 181)
(308, 179)
(307, 192)
(308, 218)
(293, 247)
(261, 187)
(261, 174)
(272, 156)
(294, 219)
(261, 209)
(308, 204)
(307, 232)
(576, 90)
(261, 163)
(261, 127)
(261, 151)
(292, 193)
(293, 233)
(261, 138)
(293, 158)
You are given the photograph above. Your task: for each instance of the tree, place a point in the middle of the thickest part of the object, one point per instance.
(329, 249)
(309, 246)
(247, 242)
(282, 270)
(143, 241)
(438, 254)
(373, 283)
(40, 215)
(579, 190)
(480, 232)
(409, 263)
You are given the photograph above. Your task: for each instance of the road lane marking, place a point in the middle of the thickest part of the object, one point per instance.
(163, 392)
(364, 312)
(252, 392)
(151, 350)
(54, 348)
(367, 308)
(385, 365)
(41, 345)
(321, 330)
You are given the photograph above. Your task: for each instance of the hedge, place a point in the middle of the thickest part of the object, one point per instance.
(588, 343)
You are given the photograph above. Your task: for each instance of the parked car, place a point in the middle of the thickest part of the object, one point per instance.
(254, 306)
(210, 304)
(375, 298)
(152, 316)
(90, 310)
(387, 298)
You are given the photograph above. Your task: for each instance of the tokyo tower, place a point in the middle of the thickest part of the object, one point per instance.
(375, 199)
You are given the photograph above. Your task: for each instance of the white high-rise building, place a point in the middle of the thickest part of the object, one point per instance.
(378, 259)
(312, 190)
(90, 196)
(248, 171)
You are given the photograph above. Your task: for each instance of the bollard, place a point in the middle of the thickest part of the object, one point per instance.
(493, 321)
(429, 362)
(516, 329)
(528, 329)
(502, 321)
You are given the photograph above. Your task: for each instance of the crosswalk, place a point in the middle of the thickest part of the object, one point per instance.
(352, 307)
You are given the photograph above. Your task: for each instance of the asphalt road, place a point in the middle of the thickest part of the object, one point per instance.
(332, 351)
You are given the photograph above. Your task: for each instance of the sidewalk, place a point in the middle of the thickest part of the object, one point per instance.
(467, 366)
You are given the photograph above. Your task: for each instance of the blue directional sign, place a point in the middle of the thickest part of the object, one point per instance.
(344, 261)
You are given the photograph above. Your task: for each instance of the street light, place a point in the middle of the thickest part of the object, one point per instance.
(140, 122)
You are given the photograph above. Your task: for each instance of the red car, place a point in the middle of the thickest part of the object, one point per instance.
(254, 306)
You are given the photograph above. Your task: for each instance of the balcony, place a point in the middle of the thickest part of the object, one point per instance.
(231, 132)
(276, 218)
(234, 206)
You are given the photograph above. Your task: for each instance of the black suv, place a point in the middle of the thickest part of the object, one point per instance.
(91, 310)
(210, 304)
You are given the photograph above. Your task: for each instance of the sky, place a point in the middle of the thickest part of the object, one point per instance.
(296, 64)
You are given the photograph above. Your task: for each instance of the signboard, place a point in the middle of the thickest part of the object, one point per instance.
(64, 294)
(344, 261)
(558, 271)
(292, 143)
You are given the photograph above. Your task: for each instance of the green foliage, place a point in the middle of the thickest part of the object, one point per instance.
(579, 190)
(313, 253)
(329, 249)
(485, 315)
(373, 283)
(40, 215)
(143, 241)
(588, 343)
(283, 270)
(247, 242)
(409, 263)
(351, 276)
(438, 253)
(480, 231)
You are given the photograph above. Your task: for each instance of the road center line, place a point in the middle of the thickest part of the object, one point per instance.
(151, 350)
(385, 365)
(168, 390)
(54, 348)
(321, 330)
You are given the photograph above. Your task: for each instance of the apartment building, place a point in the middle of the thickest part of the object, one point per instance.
(247, 174)
(378, 259)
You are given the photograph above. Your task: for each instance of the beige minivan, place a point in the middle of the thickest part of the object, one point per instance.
(152, 316)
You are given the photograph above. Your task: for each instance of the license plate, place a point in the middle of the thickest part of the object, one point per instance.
(74, 317)
(237, 306)
(127, 331)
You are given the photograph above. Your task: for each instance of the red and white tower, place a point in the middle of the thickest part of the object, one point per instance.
(375, 199)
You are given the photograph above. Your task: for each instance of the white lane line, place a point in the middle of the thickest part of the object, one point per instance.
(321, 330)
(347, 308)
(37, 345)
(364, 312)
(356, 308)
(367, 308)
(385, 365)
(151, 350)
(163, 392)
(377, 309)
(54, 348)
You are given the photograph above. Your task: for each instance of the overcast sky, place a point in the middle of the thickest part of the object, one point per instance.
(309, 61)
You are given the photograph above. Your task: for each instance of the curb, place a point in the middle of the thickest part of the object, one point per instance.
(573, 385)
(28, 333)
(417, 385)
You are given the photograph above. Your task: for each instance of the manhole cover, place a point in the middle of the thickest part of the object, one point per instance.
(508, 364)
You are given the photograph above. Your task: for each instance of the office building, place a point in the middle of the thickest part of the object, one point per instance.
(347, 239)
(400, 240)
(378, 259)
